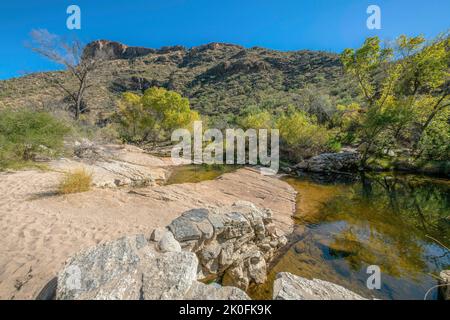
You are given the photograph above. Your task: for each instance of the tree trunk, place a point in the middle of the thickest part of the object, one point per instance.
(79, 101)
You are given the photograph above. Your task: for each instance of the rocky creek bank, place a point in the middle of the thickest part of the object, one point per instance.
(348, 161)
(231, 245)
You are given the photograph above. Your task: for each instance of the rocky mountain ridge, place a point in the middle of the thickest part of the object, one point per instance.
(218, 78)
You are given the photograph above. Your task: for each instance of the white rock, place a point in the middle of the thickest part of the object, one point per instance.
(201, 291)
(290, 287)
(157, 234)
(168, 243)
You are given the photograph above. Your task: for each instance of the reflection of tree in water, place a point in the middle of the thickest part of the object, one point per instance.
(395, 257)
(419, 201)
(345, 226)
(387, 221)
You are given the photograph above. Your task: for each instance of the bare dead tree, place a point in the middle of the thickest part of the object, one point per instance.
(70, 55)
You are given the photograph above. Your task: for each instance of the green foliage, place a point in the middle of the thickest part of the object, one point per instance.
(403, 98)
(347, 119)
(301, 135)
(154, 115)
(257, 119)
(25, 134)
(422, 64)
(435, 142)
(364, 63)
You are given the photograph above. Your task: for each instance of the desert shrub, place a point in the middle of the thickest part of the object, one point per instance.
(25, 134)
(256, 120)
(77, 181)
(301, 136)
(106, 134)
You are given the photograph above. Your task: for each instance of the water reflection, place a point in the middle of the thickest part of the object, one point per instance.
(197, 173)
(396, 222)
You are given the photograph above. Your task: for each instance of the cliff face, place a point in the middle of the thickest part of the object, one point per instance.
(114, 50)
(218, 78)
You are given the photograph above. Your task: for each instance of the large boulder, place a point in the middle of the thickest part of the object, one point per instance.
(290, 287)
(331, 162)
(234, 242)
(132, 268)
(88, 274)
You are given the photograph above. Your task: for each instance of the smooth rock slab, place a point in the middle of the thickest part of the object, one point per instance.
(91, 269)
(290, 287)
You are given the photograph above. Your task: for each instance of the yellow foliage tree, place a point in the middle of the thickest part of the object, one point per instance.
(154, 115)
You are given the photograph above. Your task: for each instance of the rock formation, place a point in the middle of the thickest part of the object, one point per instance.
(331, 162)
(113, 50)
(233, 242)
(114, 165)
(132, 268)
(290, 287)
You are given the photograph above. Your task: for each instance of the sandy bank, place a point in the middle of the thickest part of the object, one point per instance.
(40, 230)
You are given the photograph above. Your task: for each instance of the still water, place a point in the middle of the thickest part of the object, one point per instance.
(197, 173)
(399, 222)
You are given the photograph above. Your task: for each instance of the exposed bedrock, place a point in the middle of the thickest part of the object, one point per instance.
(234, 243)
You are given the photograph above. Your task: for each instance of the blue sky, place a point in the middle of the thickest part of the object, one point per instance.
(330, 25)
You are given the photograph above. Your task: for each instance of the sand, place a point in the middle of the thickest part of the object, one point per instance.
(40, 229)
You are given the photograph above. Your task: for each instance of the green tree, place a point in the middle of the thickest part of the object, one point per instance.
(366, 64)
(393, 81)
(425, 78)
(154, 115)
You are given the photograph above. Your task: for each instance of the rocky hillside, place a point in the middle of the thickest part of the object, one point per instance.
(218, 78)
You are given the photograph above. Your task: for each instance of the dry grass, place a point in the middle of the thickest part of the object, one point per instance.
(76, 181)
